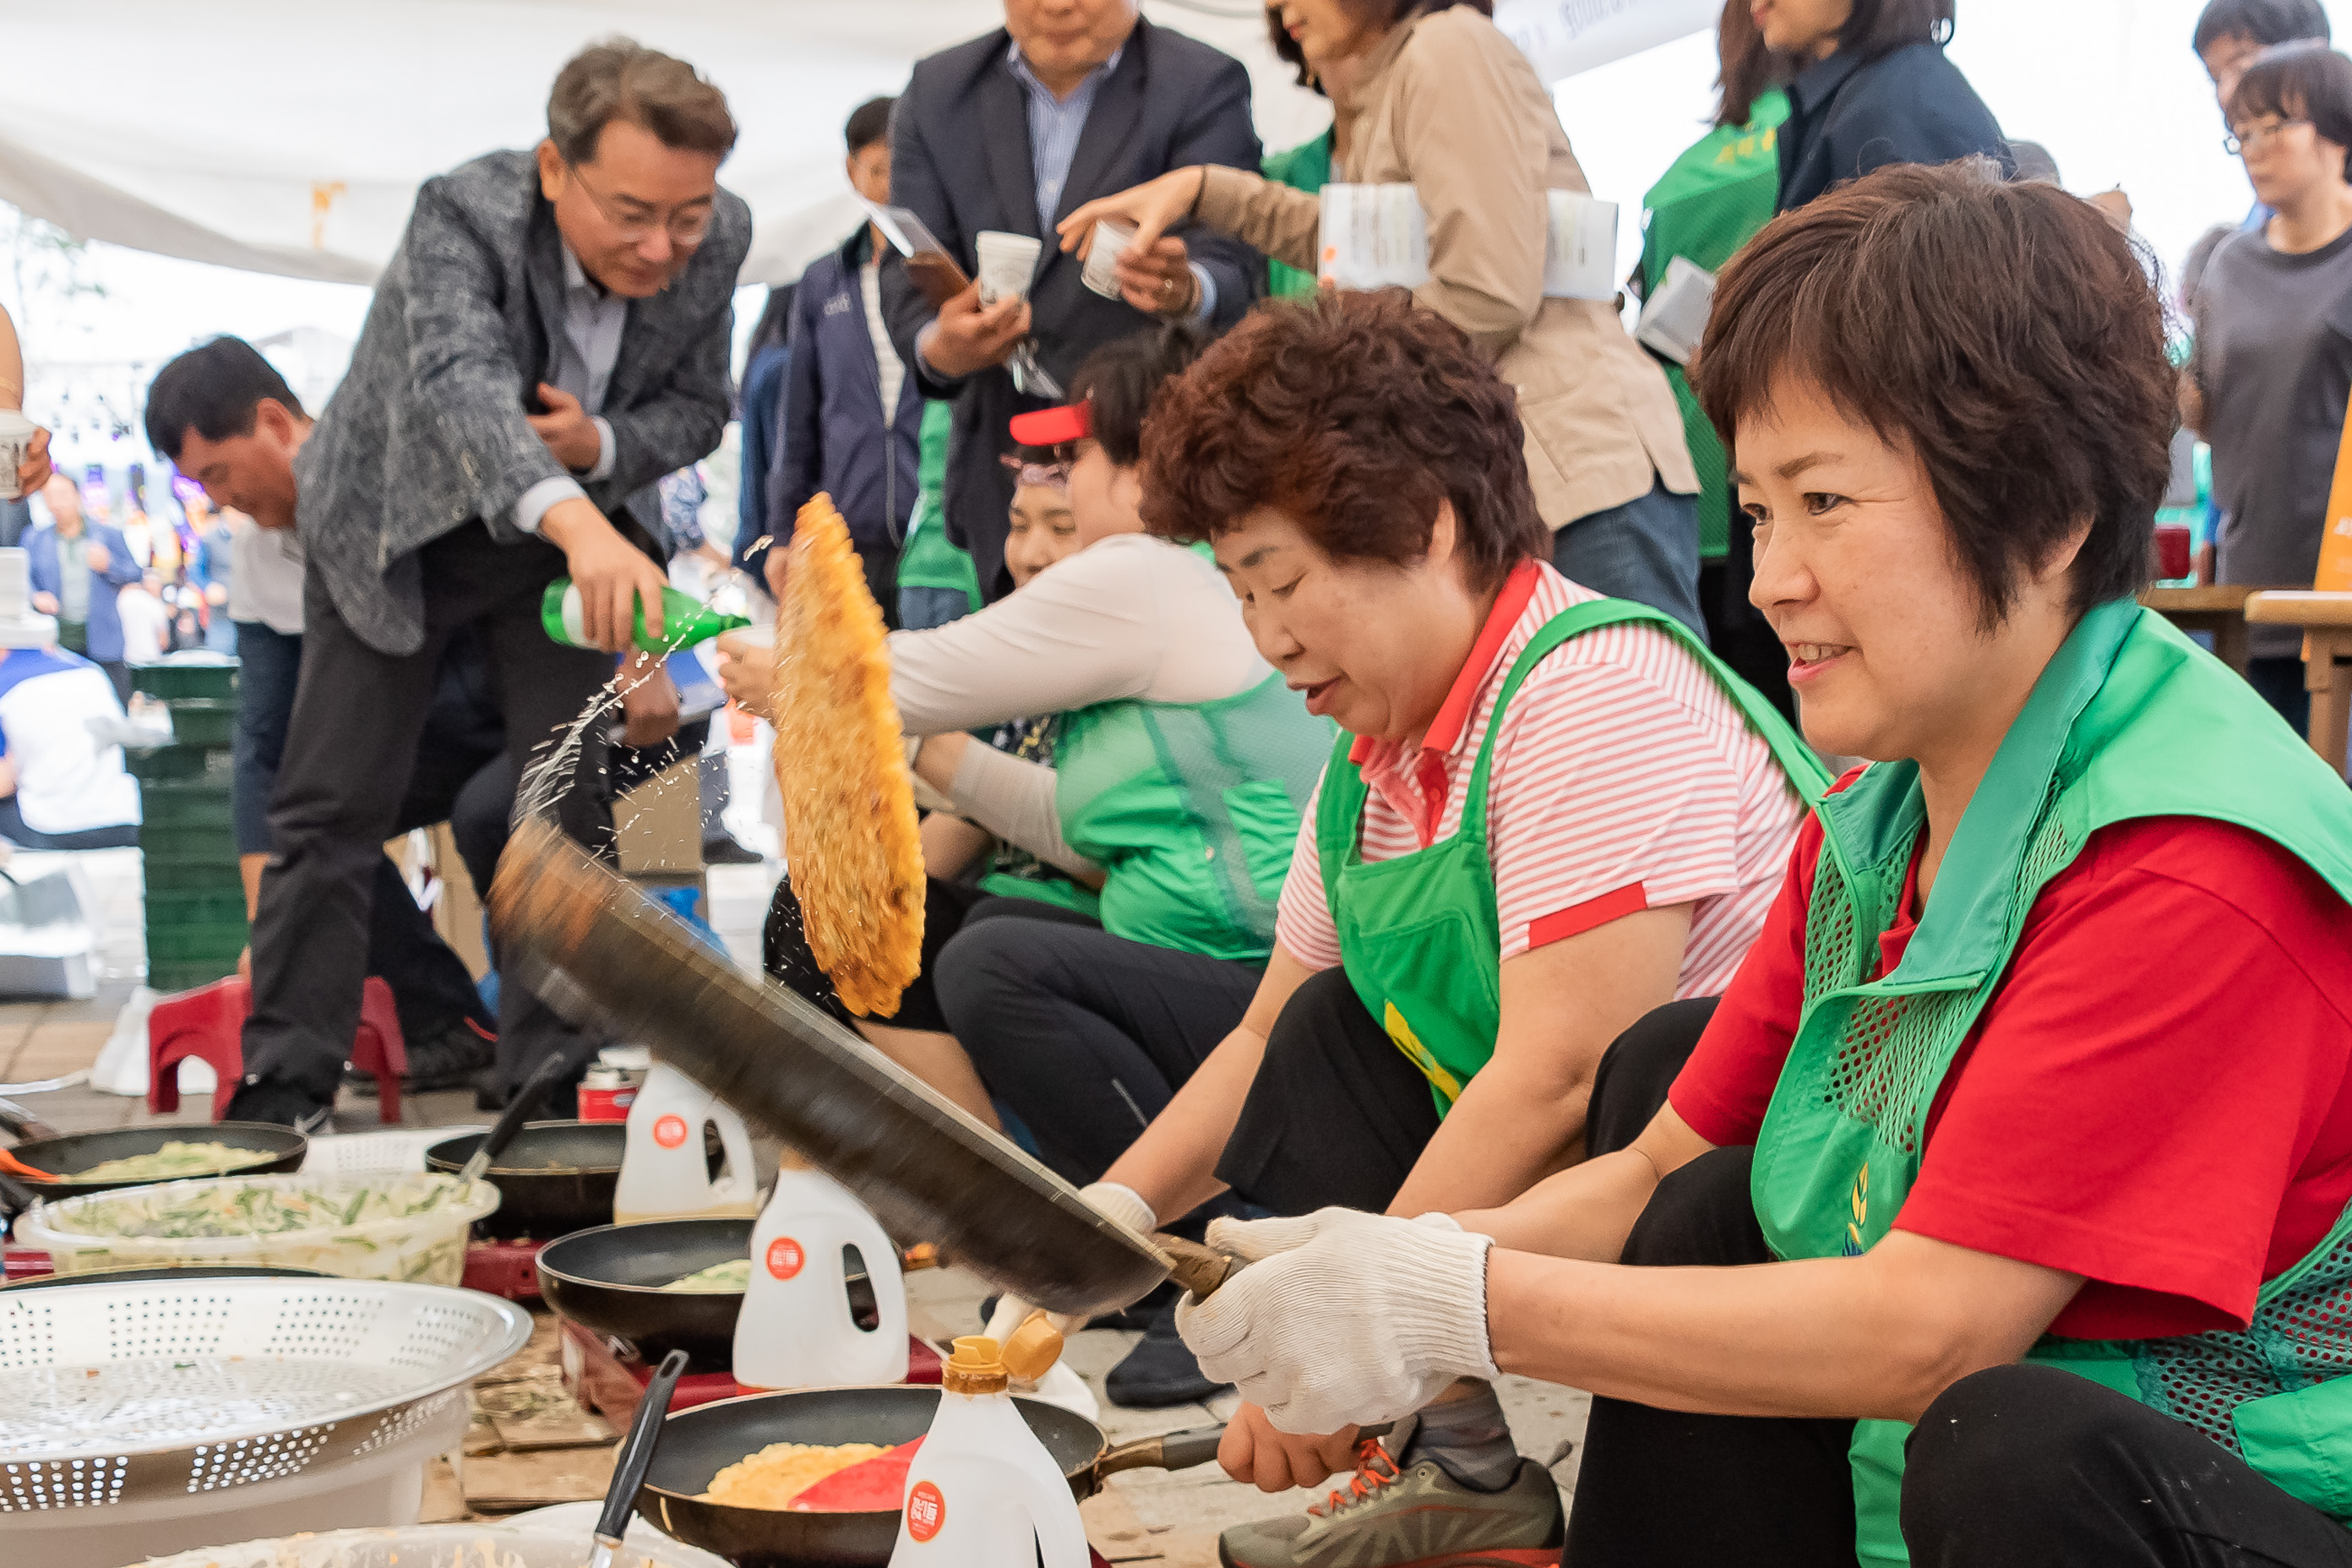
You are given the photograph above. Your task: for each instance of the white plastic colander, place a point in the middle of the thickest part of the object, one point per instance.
(139, 1392)
(393, 1151)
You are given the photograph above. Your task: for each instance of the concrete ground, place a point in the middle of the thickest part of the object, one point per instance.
(1143, 1516)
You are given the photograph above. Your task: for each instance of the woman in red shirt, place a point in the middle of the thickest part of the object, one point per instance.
(2028, 1119)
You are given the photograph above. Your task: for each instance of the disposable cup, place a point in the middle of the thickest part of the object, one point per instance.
(1007, 262)
(1101, 273)
(15, 436)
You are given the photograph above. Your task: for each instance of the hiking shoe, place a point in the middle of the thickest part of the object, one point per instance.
(279, 1104)
(728, 850)
(1420, 1518)
(449, 1059)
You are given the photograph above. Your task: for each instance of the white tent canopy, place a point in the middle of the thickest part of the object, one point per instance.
(290, 135)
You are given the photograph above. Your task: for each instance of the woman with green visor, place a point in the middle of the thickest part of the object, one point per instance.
(2003, 1212)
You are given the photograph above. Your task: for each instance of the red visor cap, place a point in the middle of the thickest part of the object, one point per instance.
(1052, 426)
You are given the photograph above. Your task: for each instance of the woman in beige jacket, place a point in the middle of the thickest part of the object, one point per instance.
(1442, 101)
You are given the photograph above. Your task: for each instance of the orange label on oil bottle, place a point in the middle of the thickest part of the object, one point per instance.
(927, 1511)
(669, 1132)
(785, 1257)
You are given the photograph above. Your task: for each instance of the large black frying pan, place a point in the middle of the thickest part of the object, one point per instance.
(57, 1156)
(600, 949)
(697, 1444)
(554, 1178)
(609, 1279)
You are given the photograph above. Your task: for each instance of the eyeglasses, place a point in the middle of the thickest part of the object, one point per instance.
(2243, 137)
(686, 230)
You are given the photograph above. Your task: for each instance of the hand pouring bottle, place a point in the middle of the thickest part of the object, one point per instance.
(665, 1173)
(982, 1492)
(826, 1304)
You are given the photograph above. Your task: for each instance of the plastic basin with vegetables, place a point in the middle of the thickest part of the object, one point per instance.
(440, 1546)
(357, 1226)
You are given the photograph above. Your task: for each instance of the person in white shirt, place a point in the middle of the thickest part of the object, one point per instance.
(146, 622)
(61, 787)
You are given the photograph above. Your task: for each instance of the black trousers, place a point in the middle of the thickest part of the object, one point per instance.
(948, 908)
(352, 747)
(1084, 1035)
(1338, 1115)
(431, 989)
(2017, 1467)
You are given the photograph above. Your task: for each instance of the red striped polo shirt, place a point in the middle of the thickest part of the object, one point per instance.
(1623, 779)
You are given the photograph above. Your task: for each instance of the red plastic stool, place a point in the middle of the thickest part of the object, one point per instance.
(208, 1025)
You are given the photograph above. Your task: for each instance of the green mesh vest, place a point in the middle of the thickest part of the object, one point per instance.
(1306, 167)
(1192, 810)
(2130, 720)
(1708, 205)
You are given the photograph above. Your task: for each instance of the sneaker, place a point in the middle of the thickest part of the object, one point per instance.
(726, 850)
(449, 1059)
(1420, 1518)
(280, 1105)
(1161, 1370)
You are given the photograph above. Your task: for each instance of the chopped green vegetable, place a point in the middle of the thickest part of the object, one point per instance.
(267, 1205)
(174, 1161)
(735, 1274)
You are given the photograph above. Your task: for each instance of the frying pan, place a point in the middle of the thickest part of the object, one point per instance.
(609, 1279)
(596, 947)
(56, 1156)
(556, 1177)
(189, 1271)
(697, 1444)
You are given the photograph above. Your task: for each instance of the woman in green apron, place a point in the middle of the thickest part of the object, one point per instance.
(1478, 905)
(2010, 1186)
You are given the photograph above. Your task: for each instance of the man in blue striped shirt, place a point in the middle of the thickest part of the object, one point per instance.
(1069, 100)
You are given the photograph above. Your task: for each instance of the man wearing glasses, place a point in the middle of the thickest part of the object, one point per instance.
(551, 338)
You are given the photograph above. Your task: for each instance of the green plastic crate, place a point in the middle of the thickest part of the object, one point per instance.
(219, 907)
(170, 977)
(172, 877)
(203, 722)
(168, 807)
(180, 764)
(195, 943)
(192, 678)
(189, 846)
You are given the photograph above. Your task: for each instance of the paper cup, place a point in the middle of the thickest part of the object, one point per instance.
(1102, 257)
(16, 438)
(1007, 262)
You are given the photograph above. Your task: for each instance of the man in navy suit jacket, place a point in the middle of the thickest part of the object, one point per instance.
(1070, 99)
(90, 622)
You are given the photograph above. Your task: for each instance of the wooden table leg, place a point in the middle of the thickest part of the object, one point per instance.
(2329, 677)
(2231, 641)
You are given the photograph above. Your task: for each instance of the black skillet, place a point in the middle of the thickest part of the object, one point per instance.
(608, 1279)
(697, 1444)
(556, 1177)
(57, 1155)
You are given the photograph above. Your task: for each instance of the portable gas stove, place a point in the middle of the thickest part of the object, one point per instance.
(611, 1384)
(507, 1269)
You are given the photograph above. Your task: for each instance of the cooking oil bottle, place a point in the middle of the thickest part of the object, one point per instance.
(982, 1492)
(665, 1166)
(826, 1303)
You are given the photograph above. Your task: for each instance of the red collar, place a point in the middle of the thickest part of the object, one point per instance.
(1453, 718)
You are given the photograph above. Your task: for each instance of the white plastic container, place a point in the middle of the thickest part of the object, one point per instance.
(982, 1492)
(513, 1545)
(798, 1328)
(665, 1175)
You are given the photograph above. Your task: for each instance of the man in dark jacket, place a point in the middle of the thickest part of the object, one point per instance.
(551, 338)
(1070, 99)
(77, 568)
(852, 414)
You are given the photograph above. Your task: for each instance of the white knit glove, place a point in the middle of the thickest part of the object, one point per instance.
(1111, 1200)
(1343, 1318)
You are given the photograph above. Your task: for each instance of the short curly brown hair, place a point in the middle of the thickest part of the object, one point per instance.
(2005, 333)
(1354, 414)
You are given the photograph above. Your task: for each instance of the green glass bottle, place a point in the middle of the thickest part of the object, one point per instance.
(686, 620)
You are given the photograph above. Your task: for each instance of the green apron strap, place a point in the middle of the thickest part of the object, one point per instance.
(1807, 775)
(1340, 806)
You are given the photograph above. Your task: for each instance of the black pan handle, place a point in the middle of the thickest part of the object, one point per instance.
(16, 1195)
(637, 1450)
(1167, 1451)
(526, 1099)
(28, 1127)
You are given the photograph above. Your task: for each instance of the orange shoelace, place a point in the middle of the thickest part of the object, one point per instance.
(1374, 1469)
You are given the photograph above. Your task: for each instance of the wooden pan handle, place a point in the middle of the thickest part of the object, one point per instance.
(1198, 1268)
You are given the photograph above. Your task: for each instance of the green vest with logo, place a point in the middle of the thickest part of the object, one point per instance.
(1191, 809)
(1418, 935)
(2130, 720)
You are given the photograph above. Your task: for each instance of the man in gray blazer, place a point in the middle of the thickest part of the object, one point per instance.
(551, 338)
(1070, 99)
